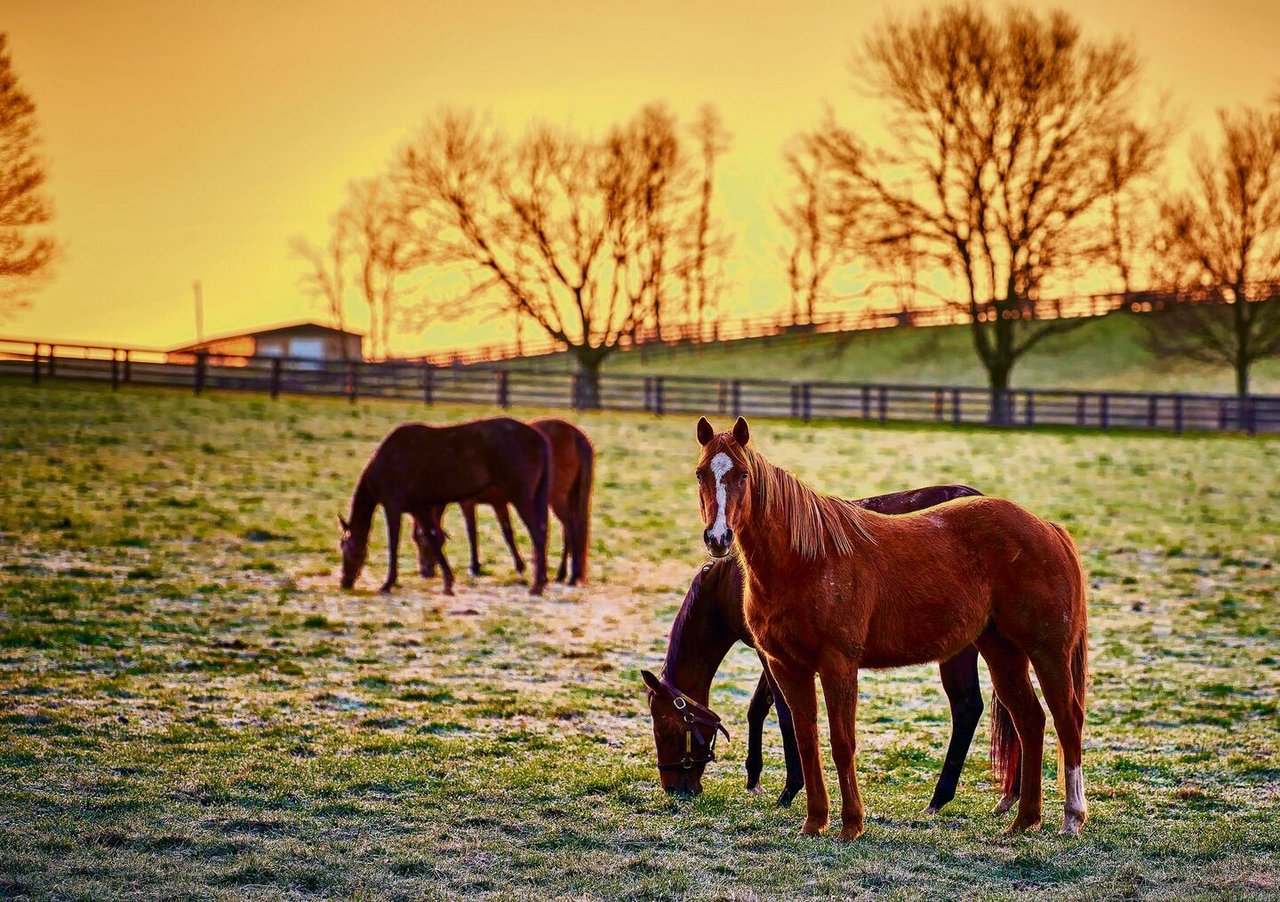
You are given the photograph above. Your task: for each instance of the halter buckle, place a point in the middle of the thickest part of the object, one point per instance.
(680, 703)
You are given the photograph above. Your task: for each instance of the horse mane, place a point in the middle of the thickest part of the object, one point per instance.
(814, 518)
(675, 645)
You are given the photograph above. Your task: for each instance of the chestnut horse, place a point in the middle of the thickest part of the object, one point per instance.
(418, 468)
(711, 620)
(832, 587)
(572, 466)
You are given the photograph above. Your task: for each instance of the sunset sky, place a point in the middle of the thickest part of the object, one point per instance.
(191, 140)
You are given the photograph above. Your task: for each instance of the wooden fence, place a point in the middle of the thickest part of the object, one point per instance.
(1177, 413)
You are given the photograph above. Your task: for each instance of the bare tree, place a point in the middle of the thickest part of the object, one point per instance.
(1223, 233)
(572, 234)
(820, 233)
(1000, 127)
(1135, 155)
(708, 243)
(382, 250)
(325, 281)
(27, 250)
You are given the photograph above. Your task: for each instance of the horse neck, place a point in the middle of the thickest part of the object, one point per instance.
(363, 503)
(700, 638)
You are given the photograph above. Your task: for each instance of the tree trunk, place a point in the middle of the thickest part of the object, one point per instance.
(1001, 410)
(589, 363)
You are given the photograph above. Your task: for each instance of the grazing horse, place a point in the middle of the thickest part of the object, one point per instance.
(711, 620)
(418, 468)
(572, 466)
(832, 587)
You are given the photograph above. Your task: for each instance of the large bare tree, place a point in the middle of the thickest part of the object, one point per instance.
(999, 128)
(708, 243)
(27, 250)
(575, 235)
(1223, 233)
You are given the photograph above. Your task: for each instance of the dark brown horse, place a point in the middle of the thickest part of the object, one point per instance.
(711, 620)
(832, 588)
(572, 468)
(418, 468)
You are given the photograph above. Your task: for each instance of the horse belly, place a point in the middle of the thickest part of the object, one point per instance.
(899, 637)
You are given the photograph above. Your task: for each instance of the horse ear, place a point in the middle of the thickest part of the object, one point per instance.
(652, 682)
(741, 434)
(705, 432)
(346, 527)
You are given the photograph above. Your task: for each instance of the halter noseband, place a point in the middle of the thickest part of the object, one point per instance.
(694, 715)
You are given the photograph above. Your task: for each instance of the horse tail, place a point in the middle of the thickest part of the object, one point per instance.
(580, 502)
(1006, 750)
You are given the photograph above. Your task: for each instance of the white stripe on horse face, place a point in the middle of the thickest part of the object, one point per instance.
(720, 465)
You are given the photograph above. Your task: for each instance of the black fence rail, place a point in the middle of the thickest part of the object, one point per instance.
(420, 381)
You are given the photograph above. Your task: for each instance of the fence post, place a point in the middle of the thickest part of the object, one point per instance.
(955, 407)
(115, 371)
(503, 389)
(648, 394)
(52, 363)
(1030, 404)
(428, 385)
(1177, 414)
(1153, 411)
(353, 385)
(795, 401)
(35, 363)
(737, 397)
(939, 405)
(128, 366)
(806, 402)
(866, 402)
(659, 402)
(1080, 410)
(1251, 414)
(884, 404)
(276, 364)
(1104, 411)
(201, 362)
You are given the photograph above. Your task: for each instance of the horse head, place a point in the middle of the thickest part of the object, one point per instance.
(684, 732)
(353, 553)
(723, 474)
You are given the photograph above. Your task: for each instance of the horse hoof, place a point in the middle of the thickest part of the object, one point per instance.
(788, 796)
(1004, 805)
(1071, 825)
(386, 589)
(537, 589)
(475, 571)
(447, 590)
(850, 833)
(933, 809)
(813, 828)
(755, 790)
(1023, 826)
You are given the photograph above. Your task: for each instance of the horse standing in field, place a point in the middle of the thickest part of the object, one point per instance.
(418, 468)
(711, 620)
(572, 467)
(832, 588)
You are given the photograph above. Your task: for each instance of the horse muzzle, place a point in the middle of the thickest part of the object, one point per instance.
(718, 547)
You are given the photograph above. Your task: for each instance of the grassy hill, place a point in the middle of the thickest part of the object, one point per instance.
(1104, 353)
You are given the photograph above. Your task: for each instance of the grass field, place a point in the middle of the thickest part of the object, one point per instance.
(1104, 353)
(189, 706)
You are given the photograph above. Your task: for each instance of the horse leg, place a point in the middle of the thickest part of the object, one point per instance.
(469, 516)
(503, 513)
(426, 560)
(840, 688)
(393, 548)
(802, 697)
(790, 754)
(757, 711)
(1054, 671)
(566, 528)
(1010, 674)
(535, 521)
(960, 681)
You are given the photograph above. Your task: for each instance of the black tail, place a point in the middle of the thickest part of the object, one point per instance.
(1006, 750)
(580, 506)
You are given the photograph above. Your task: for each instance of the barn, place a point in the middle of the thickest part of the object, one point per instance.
(302, 341)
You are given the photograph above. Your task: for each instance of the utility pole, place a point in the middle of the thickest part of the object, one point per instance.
(199, 311)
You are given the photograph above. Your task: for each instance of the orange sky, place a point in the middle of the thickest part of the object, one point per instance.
(191, 140)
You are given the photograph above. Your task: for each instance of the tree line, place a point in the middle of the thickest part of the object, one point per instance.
(1012, 154)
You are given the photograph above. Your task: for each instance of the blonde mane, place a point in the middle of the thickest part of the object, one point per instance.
(814, 518)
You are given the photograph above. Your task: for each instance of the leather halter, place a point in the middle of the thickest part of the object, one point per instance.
(694, 715)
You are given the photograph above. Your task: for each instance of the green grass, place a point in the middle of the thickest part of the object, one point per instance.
(190, 707)
(1104, 353)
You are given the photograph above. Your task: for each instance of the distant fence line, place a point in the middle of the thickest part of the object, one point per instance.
(882, 403)
(779, 324)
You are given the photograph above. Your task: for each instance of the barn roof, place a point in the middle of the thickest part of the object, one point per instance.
(303, 327)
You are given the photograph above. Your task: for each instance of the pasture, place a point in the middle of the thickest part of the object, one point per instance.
(190, 706)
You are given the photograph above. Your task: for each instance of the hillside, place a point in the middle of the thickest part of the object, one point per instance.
(1104, 353)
